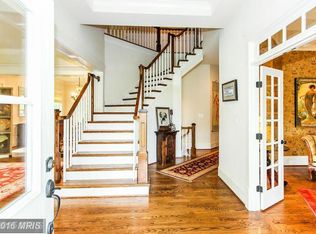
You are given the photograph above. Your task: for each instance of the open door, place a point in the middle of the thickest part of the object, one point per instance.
(27, 114)
(271, 143)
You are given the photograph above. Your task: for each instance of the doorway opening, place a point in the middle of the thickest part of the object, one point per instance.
(287, 124)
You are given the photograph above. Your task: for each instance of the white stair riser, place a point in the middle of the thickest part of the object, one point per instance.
(104, 192)
(104, 147)
(107, 136)
(102, 160)
(110, 126)
(120, 109)
(99, 175)
(112, 117)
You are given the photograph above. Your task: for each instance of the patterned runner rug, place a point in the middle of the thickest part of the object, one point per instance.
(194, 168)
(309, 198)
(11, 179)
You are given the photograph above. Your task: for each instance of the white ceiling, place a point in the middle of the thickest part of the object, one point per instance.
(168, 13)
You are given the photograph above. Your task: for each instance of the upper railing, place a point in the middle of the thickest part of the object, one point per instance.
(153, 38)
(177, 49)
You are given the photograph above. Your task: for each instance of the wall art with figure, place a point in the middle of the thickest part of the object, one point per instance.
(215, 106)
(305, 102)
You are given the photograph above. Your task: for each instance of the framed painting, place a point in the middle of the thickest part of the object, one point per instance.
(230, 91)
(305, 102)
(163, 117)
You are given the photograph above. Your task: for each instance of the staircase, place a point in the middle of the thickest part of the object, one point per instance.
(105, 153)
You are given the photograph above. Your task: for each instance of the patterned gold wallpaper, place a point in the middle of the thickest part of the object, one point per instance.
(297, 64)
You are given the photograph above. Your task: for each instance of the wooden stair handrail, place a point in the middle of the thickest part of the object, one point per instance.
(142, 68)
(91, 78)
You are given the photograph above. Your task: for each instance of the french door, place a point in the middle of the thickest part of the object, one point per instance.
(271, 143)
(26, 107)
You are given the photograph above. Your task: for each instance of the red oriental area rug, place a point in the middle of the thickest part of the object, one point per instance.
(11, 179)
(192, 169)
(309, 198)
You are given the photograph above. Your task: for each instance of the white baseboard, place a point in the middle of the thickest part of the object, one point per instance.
(295, 160)
(239, 192)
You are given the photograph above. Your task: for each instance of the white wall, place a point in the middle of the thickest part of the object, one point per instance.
(196, 102)
(244, 27)
(121, 68)
(84, 41)
(171, 96)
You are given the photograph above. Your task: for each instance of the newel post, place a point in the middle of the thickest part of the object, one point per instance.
(158, 42)
(142, 172)
(193, 149)
(57, 157)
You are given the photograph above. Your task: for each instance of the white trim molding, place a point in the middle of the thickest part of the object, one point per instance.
(295, 160)
(240, 192)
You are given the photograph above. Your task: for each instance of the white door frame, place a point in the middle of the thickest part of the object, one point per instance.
(40, 51)
(254, 63)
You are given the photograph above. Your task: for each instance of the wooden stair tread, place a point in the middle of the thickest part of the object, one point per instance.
(102, 154)
(108, 131)
(130, 99)
(120, 105)
(100, 142)
(152, 91)
(101, 167)
(99, 183)
(114, 113)
(160, 84)
(100, 122)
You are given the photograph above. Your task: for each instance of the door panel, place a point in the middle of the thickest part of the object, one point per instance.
(36, 101)
(271, 147)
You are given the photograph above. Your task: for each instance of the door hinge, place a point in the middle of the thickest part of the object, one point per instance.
(259, 189)
(259, 84)
(259, 136)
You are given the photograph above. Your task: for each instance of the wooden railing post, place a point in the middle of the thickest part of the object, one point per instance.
(142, 172)
(57, 158)
(172, 53)
(143, 85)
(193, 149)
(92, 97)
(158, 42)
(140, 92)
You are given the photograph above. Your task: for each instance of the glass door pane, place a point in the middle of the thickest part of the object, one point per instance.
(271, 149)
(13, 116)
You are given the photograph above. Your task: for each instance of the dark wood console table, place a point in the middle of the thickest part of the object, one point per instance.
(166, 148)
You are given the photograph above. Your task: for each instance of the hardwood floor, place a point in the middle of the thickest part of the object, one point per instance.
(205, 206)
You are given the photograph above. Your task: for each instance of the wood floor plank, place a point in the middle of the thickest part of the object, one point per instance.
(205, 206)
